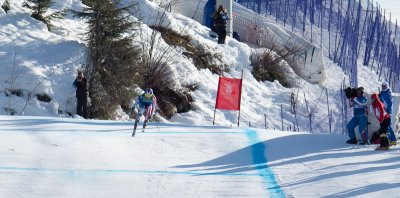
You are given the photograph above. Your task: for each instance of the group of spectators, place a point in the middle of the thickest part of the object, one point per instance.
(381, 105)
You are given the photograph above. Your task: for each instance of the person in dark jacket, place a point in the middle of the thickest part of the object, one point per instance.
(220, 18)
(81, 86)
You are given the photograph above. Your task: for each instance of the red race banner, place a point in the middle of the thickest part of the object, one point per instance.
(229, 93)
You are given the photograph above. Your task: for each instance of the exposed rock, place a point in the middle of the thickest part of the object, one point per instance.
(10, 111)
(168, 109)
(43, 97)
(172, 101)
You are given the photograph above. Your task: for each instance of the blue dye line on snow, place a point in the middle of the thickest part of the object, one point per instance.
(124, 132)
(215, 132)
(105, 171)
(260, 162)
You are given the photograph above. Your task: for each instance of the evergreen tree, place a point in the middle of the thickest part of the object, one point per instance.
(39, 8)
(112, 59)
(6, 5)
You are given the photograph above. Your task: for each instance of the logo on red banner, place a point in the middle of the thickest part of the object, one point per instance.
(229, 93)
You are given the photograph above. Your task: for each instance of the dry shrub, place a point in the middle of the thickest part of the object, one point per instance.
(203, 58)
(266, 67)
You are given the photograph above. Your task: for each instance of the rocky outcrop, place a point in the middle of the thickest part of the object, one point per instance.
(173, 101)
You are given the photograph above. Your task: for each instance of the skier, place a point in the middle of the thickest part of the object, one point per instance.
(220, 17)
(81, 85)
(146, 104)
(360, 118)
(384, 120)
(386, 97)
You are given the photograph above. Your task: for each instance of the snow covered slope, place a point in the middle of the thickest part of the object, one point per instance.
(60, 157)
(46, 63)
(308, 55)
(35, 61)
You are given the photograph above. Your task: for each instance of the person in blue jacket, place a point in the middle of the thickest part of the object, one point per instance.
(386, 97)
(146, 105)
(360, 118)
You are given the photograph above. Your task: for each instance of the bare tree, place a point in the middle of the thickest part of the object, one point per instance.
(32, 90)
(294, 100)
(154, 63)
(160, 48)
(167, 4)
(311, 109)
(15, 74)
(256, 33)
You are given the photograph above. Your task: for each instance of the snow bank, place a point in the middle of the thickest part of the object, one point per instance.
(37, 61)
(309, 58)
(396, 112)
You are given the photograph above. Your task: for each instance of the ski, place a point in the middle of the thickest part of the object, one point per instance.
(134, 132)
(382, 148)
(144, 126)
(134, 128)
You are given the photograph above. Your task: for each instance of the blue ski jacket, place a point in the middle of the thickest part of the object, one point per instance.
(144, 101)
(386, 97)
(360, 106)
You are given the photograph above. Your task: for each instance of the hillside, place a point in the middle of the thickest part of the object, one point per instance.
(45, 63)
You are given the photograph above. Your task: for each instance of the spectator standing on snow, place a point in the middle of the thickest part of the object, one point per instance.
(359, 104)
(386, 97)
(220, 19)
(81, 86)
(384, 119)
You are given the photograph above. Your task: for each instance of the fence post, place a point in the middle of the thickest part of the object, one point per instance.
(329, 111)
(282, 115)
(265, 121)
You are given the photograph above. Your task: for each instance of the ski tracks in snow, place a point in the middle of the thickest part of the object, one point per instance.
(68, 158)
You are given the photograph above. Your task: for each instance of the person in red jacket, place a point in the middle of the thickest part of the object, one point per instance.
(384, 120)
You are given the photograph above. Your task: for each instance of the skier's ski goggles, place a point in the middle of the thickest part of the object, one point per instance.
(147, 95)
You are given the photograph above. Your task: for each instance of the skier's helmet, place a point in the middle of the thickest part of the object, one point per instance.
(148, 92)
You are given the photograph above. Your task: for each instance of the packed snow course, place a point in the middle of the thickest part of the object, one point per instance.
(63, 157)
